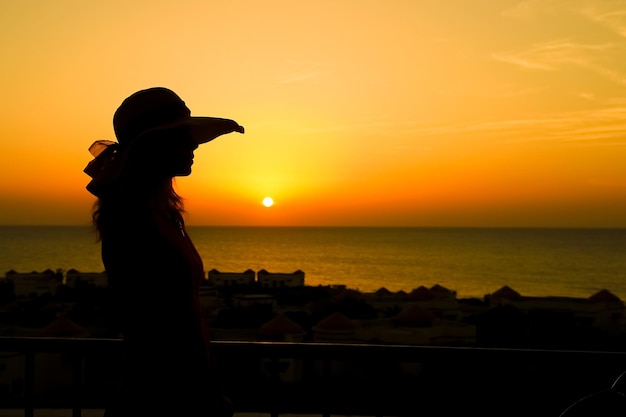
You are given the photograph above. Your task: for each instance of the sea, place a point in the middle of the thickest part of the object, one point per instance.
(472, 262)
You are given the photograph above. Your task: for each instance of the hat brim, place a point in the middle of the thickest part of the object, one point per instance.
(205, 129)
(201, 129)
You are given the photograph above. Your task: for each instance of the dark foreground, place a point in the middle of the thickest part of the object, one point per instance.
(338, 379)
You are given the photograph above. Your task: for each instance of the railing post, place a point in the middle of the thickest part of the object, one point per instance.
(326, 380)
(77, 379)
(274, 380)
(29, 383)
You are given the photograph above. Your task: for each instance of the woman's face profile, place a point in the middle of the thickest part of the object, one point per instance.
(166, 154)
(179, 158)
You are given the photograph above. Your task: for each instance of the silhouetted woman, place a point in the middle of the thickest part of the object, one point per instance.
(153, 267)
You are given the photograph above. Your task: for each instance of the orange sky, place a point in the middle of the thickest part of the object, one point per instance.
(400, 113)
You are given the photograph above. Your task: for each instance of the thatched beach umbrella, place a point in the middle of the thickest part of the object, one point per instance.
(281, 327)
(336, 326)
(415, 316)
(63, 327)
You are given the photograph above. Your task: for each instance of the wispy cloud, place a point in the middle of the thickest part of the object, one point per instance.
(597, 127)
(531, 8)
(609, 14)
(551, 55)
(611, 74)
(587, 96)
(298, 71)
(557, 54)
(499, 90)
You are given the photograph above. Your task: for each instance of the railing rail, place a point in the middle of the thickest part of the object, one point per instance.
(458, 373)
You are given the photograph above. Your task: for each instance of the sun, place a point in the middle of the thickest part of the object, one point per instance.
(268, 201)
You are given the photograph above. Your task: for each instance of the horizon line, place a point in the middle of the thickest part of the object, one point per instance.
(349, 226)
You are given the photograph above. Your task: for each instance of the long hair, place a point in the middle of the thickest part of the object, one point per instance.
(160, 199)
(145, 186)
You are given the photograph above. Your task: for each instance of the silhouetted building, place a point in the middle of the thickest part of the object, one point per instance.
(602, 310)
(228, 279)
(248, 300)
(74, 277)
(280, 279)
(38, 283)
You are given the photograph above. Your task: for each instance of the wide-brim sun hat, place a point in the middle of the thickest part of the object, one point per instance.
(141, 114)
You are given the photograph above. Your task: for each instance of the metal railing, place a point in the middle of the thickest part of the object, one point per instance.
(358, 379)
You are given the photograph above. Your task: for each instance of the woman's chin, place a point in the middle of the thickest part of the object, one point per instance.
(183, 172)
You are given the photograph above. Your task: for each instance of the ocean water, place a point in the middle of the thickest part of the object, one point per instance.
(471, 261)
